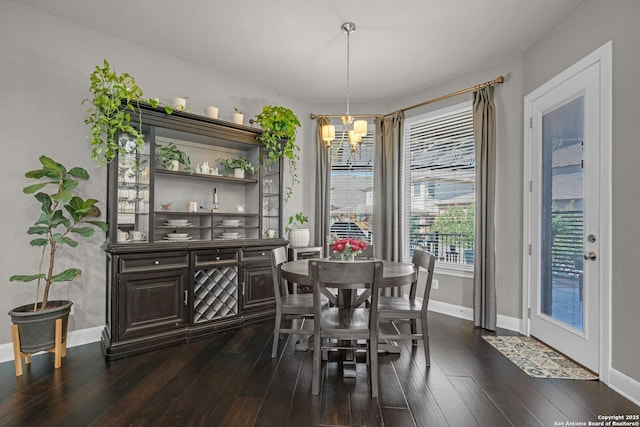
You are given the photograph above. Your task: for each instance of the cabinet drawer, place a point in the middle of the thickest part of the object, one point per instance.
(256, 254)
(153, 261)
(215, 257)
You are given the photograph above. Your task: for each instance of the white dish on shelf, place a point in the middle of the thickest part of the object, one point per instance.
(184, 239)
(170, 224)
(230, 222)
(177, 235)
(177, 221)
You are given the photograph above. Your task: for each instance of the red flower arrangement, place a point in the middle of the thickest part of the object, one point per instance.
(348, 247)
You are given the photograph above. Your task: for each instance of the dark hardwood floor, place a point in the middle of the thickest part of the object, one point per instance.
(231, 380)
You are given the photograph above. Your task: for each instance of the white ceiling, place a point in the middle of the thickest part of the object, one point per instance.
(296, 47)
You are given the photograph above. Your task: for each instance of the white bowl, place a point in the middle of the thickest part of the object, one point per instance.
(177, 221)
(177, 235)
(231, 222)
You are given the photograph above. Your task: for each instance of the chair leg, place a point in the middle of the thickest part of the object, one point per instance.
(373, 367)
(317, 363)
(276, 335)
(425, 337)
(414, 330)
(17, 355)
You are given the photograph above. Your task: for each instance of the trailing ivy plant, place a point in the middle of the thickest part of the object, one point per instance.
(115, 98)
(279, 126)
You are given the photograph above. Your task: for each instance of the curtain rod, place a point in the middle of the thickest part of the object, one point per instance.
(498, 80)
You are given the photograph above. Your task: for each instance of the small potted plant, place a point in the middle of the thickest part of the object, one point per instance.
(170, 157)
(279, 127)
(298, 236)
(115, 98)
(238, 116)
(63, 217)
(237, 165)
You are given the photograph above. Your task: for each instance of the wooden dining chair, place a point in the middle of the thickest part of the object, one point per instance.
(288, 305)
(345, 323)
(411, 307)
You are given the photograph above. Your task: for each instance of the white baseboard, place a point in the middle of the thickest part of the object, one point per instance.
(626, 386)
(74, 338)
(505, 322)
(450, 309)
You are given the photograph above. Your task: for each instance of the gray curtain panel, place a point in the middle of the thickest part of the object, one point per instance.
(484, 287)
(322, 213)
(387, 206)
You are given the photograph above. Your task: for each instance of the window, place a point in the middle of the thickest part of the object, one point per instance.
(352, 189)
(439, 165)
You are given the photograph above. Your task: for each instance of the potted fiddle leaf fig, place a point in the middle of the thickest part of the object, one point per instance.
(115, 98)
(63, 217)
(279, 127)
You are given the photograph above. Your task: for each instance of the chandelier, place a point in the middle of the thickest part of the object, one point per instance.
(352, 129)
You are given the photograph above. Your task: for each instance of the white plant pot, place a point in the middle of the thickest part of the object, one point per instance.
(211, 112)
(299, 237)
(179, 103)
(237, 118)
(238, 173)
(174, 165)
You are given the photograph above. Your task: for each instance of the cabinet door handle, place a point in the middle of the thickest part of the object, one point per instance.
(186, 297)
(217, 258)
(156, 262)
(263, 253)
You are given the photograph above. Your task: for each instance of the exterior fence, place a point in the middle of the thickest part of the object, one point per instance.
(455, 248)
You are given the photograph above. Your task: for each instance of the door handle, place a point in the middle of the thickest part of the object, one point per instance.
(590, 256)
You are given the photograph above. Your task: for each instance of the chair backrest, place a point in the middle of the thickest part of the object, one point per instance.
(278, 257)
(367, 253)
(427, 261)
(331, 274)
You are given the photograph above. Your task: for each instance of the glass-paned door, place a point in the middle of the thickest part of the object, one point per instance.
(564, 209)
(562, 191)
(132, 185)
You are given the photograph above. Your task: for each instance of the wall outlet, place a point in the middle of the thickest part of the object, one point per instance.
(435, 284)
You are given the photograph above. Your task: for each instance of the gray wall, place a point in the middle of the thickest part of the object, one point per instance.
(45, 64)
(588, 27)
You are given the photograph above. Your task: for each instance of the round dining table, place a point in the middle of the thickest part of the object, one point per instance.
(394, 273)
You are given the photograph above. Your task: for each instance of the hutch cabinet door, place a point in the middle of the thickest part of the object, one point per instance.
(152, 302)
(258, 287)
(129, 189)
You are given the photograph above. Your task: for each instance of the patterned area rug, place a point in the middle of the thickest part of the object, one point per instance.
(538, 360)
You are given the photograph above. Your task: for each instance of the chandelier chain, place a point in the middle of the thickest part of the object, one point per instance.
(348, 30)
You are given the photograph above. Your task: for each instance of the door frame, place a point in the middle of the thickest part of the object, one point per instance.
(603, 57)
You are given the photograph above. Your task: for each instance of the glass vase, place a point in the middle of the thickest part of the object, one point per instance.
(350, 257)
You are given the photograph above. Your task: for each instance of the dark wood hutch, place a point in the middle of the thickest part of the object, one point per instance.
(188, 253)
